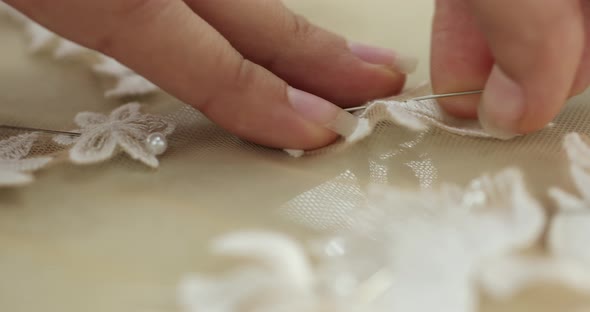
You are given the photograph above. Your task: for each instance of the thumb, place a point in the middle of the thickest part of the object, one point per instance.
(537, 46)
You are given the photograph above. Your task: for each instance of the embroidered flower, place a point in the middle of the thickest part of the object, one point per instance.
(422, 251)
(14, 167)
(280, 279)
(125, 129)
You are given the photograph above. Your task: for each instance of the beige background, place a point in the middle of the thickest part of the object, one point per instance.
(118, 236)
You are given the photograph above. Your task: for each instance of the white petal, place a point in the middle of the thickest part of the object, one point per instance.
(281, 254)
(135, 147)
(383, 111)
(67, 48)
(363, 129)
(110, 67)
(89, 119)
(93, 146)
(14, 178)
(25, 165)
(156, 124)
(40, 36)
(125, 112)
(567, 202)
(132, 85)
(577, 149)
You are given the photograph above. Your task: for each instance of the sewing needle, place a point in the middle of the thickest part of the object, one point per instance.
(40, 130)
(422, 98)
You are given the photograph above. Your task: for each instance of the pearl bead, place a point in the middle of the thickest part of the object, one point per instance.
(157, 143)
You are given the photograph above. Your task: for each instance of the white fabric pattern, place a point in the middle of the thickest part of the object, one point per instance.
(570, 229)
(407, 251)
(15, 168)
(568, 234)
(282, 277)
(125, 129)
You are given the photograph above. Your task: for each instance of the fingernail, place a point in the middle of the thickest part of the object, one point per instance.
(381, 56)
(502, 106)
(322, 112)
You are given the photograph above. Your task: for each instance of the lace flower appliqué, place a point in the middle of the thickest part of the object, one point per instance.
(141, 136)
(281, 279)
(14, 167)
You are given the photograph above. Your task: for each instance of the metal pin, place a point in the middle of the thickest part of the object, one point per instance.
(422, 98)
(40, 130)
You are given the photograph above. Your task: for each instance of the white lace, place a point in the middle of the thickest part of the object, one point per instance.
(128, 83)
(15, 168)
(406, 251)
(125, 129)
(570, 229)
(408, 114)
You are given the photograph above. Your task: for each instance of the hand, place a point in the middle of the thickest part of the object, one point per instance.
(253, 67)
(530, 55)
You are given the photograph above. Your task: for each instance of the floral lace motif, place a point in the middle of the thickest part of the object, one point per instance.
(14, 167)
(281, 279)
(407, 251)
(568, 234)
(125, 129)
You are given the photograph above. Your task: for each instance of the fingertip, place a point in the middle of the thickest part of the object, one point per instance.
(503, 105)
(322, 113)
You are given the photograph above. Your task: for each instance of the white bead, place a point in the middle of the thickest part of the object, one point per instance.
(156, 143)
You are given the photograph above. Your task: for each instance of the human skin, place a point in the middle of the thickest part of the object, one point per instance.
(269, 76)
(530, 55)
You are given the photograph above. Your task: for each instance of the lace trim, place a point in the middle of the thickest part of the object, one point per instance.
(128, 83)
(15, 168)
(412, 115)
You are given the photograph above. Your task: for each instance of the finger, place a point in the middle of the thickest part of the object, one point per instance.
(538, 48)
(170, 45)
(460, 57)
(583, 77)
(304, 55)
